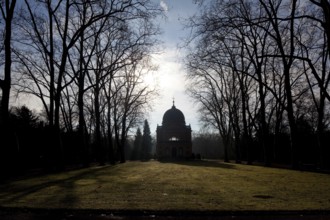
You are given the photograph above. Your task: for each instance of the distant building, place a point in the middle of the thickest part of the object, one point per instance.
(174, 136)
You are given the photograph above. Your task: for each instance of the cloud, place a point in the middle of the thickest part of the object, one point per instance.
(171, 83)
(164, 5)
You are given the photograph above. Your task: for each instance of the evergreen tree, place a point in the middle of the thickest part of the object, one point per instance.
(136, 152)
(146, 141)
(25, 118)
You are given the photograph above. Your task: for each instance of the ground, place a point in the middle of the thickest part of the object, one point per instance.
(149, 189)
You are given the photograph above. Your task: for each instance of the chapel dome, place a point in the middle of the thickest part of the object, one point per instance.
(173, 116)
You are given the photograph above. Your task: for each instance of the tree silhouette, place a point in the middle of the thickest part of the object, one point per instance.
(7, 15)
(257, 67)
(146, 141)
(136, 152)
(25, 117)
(85, 62)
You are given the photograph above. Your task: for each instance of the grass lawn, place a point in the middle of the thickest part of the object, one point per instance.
(198, 186)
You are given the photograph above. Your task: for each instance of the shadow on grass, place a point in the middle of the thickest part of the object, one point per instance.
(201, 163)
(66, 184)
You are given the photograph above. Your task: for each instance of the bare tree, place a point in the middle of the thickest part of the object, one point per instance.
(61, 39)
(268, 49)
(121, 49)
(7, 15)
(7, 147)
(135, 98)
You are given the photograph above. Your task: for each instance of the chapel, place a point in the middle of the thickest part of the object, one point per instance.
(173, 136)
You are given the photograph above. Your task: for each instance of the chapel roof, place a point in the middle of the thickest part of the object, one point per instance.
(173, 116)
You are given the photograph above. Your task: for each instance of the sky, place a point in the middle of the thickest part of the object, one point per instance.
(171, 72)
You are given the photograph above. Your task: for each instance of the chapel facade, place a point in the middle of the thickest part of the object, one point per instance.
(173, 136)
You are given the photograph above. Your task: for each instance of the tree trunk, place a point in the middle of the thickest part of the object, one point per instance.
(292, 123)
(6, 82)
(320, 131)
(111, 150)
(123, 140)
(52, 68)
(82, 125)
(264, 127)
(7, 150)
(325, 5)
(98, 144)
